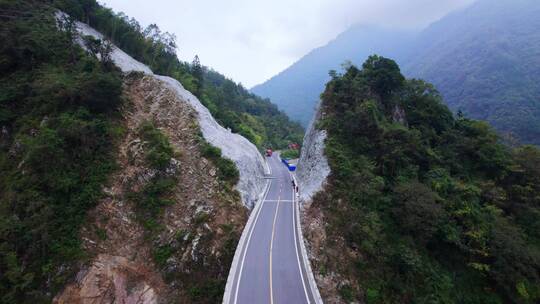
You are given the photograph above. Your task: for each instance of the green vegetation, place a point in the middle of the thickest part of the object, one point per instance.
(231, 104)
(438, 210)
(162, 254)
(154, 196)
(58, 113)
(247, 114)
(290, 154)
(209, 292)
(158, 149)
(227, 169)
(488, 77)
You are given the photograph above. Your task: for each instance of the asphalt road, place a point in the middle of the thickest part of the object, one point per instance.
(270, 268)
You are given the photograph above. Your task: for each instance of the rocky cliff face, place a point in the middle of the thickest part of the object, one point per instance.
(313, 166)
(235, 147)
(199, 229)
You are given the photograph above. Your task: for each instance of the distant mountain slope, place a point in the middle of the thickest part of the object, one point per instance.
(484, 59)
(296, 90)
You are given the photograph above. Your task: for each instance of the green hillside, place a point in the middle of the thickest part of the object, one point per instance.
(485, 60)
(430, 207)
(59, 113)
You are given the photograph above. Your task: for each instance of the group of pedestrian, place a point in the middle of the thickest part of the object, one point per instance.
(294, 186)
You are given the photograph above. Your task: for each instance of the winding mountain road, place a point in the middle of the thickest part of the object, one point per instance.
(270, 267)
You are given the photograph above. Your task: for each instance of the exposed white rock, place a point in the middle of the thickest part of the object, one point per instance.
(313, 168)
(235, 147)
(125, 62)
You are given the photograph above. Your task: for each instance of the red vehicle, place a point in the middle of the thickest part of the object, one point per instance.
(269, 152)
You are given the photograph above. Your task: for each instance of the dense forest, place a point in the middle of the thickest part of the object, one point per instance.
(231, 104)
(59, 121)
(431, 208)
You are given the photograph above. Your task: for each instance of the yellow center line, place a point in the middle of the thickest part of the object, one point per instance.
(272, 245)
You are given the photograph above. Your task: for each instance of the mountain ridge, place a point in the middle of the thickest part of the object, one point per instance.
(317, 72)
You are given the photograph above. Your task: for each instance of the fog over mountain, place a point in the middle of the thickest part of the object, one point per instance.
(484, 60)
(250, 41)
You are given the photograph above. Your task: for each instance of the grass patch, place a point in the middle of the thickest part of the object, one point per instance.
(227, 169)
(158, 150)
(156, 194)
(210, 291)
(161, 254)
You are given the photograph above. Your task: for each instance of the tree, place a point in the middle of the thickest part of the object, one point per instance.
(101, 49)
(67, 25)
(383, 75)
(198, 73)
(418, 210)
(105, 53)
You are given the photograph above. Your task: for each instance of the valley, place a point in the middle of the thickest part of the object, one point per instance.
(395, 164)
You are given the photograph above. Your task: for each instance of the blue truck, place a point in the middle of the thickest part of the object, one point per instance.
(292, 167)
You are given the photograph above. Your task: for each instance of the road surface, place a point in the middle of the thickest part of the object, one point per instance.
(270, 267)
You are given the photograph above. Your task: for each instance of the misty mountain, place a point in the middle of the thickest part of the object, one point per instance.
(296, 90)
(485, 60)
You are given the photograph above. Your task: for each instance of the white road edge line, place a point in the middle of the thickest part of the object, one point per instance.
(272, 248)
(245, 249)
(296, 246)
(242, 245)
(295, 237)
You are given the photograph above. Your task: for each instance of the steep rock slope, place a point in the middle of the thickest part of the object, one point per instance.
(313, 168)
(192, 249)
(311, 175)
(109, 191)
(235, 147)
(149, 244)
(233, 106)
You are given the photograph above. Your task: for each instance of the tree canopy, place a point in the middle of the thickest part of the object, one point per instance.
(58, 121)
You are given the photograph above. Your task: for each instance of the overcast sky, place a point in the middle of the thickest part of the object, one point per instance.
(252, 40)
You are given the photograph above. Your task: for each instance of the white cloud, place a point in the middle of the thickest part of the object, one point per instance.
(252, 40)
